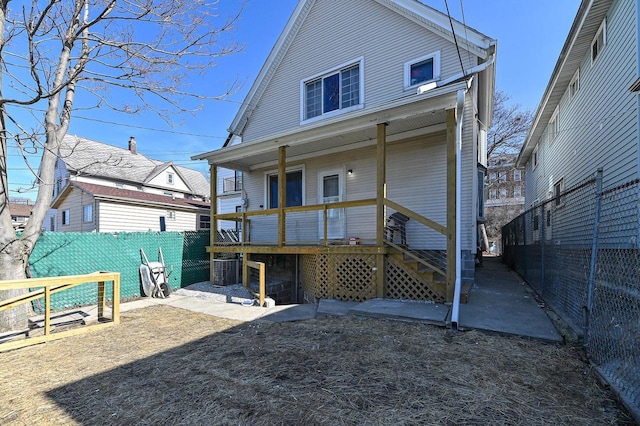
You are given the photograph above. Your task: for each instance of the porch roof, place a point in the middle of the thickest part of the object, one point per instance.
(406, 118)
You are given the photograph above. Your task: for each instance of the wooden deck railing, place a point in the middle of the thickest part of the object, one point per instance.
(45, 287)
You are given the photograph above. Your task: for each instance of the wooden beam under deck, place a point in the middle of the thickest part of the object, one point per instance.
(337, 249)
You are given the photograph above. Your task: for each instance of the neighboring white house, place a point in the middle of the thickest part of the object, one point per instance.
(589, 115)
(365, 103)
(103, 188)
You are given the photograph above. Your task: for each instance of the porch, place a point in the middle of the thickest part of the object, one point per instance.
(368, 259)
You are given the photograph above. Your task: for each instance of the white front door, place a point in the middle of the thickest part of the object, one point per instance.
(331, 190)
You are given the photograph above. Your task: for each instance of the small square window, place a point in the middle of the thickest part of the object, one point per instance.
(171, 214)
(422, 70)
(205, 221)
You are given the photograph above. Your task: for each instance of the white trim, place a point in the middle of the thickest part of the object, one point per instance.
(436, 69)
(534, 158)
(288, 170)
(357, 61)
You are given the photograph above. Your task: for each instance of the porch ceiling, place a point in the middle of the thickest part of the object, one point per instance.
(420, 115)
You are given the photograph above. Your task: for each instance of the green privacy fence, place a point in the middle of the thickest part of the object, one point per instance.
(62, 253)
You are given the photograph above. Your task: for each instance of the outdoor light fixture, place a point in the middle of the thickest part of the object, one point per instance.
(350, 172)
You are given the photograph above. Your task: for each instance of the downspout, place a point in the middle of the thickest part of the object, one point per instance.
(455, 310)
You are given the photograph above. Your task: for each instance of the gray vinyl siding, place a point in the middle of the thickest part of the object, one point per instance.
(74, 202)
(356, 29)
(599, 126)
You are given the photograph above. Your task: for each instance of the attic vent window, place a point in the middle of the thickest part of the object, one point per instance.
(336, 91)
(170, 178)
(422, 70)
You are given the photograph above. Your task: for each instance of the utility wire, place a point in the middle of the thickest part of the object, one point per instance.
(455, 39)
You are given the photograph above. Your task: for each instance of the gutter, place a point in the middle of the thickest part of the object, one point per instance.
(455, 310)
(463, 75)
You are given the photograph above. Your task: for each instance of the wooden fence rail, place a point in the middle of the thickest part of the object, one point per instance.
(45, 287)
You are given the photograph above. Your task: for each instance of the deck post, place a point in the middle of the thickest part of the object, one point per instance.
(381, 194)
(282, 194)
(451, 203)
(213, 201)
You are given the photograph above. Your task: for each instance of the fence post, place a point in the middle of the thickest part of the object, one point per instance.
(594, 257)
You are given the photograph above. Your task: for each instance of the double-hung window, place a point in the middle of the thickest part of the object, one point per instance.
(87, 213)
(333, 92)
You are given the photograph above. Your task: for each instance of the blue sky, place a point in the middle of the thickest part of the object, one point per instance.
(530, 36)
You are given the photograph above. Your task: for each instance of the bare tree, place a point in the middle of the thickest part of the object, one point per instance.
(59, 54)
(509, 128)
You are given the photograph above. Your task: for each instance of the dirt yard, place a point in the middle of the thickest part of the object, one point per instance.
(168, 366)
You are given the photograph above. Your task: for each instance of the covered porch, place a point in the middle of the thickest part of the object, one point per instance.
(373, 257)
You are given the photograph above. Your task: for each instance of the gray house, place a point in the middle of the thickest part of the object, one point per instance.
(359, 145)
(589, 114)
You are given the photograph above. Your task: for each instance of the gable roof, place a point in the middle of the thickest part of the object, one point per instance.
(20, 210)
(578, 43)
(88, 157)
(127, 196)
(414, 10)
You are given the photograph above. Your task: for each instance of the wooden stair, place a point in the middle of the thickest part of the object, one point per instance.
(432, 279)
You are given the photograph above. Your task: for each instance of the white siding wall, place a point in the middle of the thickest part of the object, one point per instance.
(599, 126)
(339, 31)
(127, 218)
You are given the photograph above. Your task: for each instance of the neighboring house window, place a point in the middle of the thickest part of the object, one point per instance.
(492, 194)
(205, 221)
(52, 223)
(557, 192)
(170, 178)
(554, 126)
(171, 214)
(599, 41)
(503, 192)
(119, 186)
(492, 163)
(536, 222)
(337, 90)
(87, 213)
(574, 86)
(294, 189)
(534, 158)
(502, 176)
(65, 217)
(492, 177)
(517, 175)
(517, 191)
(422, 70)
(168, 194)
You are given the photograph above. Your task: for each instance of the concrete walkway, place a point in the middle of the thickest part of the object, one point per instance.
(499, 301)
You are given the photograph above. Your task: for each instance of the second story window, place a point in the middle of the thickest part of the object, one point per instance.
(170, 178)
(422, 70)
(599, 41)
(338, 90)
(517, 175)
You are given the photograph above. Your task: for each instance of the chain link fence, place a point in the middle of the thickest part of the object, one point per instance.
(579, 250)
(67, 253)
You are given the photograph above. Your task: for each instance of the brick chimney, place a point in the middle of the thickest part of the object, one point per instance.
(132, 145)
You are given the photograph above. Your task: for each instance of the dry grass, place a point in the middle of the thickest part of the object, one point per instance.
(164, 365)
